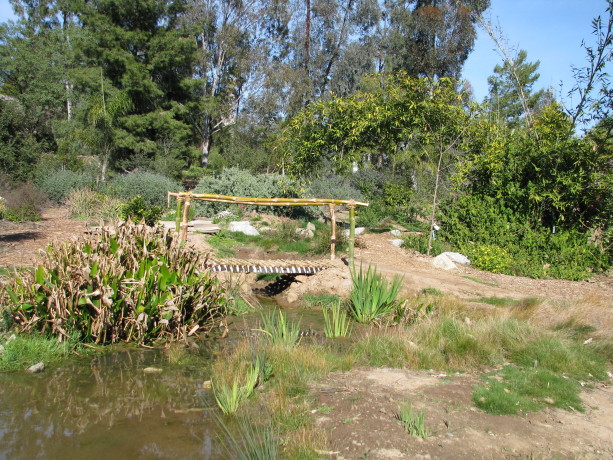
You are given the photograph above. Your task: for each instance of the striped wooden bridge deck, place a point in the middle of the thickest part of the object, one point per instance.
(291, 267)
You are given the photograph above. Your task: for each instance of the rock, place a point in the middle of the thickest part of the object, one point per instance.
(396, 232)
(152, 370)
(443, 262)
(36, 368)
(358, 231)
(310, 226)
(243, 227)
(305, 232)
(397, 242)
(169, 224)
(457, 258)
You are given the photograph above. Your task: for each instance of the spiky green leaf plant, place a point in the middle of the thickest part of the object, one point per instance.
(372, 296)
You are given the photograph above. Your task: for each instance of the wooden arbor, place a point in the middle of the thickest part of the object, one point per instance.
(184, 200)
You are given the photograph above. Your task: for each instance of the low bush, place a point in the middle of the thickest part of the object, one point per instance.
(58, 185)
(137, 210)
(133, 284)
(498, 239)
(20, 202)
(153, 188)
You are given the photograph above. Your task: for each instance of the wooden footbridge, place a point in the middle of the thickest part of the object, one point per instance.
(287, 267)
(184, 199)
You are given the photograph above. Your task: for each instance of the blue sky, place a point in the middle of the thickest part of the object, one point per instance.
(549, 30)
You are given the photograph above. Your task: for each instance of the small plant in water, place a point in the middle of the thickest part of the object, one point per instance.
(244, 441)
(278, 330)
(413, 422)
(372, 296)
(336, 321)
(230, 396)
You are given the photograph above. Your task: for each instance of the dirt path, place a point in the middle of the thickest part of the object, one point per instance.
(358, 409)
(20, 244)
(419, 273)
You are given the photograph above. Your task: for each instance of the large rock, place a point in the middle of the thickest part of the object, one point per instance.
(305, 232)
(36, 368)
(448, 260)
(397, 242)
(243, 227)
(457, 258)
(358, 231)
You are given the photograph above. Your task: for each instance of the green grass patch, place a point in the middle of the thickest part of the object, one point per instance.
(412, 421)
(496, 301)
(432, 291)
(269, 277)
(320, 300)
(26, 350)
(477, 280)
(513, 390)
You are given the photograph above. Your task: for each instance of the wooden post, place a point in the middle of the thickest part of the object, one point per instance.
(351, 231)
(184, 223)
(178, 217)
(333, 237)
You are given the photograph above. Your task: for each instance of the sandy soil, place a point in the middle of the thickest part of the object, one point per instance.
(357, 408)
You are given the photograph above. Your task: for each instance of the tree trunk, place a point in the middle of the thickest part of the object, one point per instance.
(206, 142)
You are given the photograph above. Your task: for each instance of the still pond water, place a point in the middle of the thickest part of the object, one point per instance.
(109, 408)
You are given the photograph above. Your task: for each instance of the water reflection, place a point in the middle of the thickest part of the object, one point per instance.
(107, 408)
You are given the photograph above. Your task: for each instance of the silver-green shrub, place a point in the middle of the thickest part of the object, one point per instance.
(58, 185)
(238, 182)
(152, 187)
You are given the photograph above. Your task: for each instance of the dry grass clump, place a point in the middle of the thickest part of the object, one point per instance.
(131, 284)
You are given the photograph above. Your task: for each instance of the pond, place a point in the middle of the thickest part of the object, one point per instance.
(108, 407)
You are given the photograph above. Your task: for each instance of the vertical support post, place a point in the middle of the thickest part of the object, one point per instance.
(185, 218)
(333, 233)
(351, 231)
(178, 217)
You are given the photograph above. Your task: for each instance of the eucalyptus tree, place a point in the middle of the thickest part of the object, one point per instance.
(431, 38)
(229, 51)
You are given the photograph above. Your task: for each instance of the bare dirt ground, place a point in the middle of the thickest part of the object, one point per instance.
(357, 409)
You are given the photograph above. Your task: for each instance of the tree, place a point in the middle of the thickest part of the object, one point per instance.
(511, 89)
(432, 38)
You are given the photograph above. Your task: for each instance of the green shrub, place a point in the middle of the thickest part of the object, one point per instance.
(497, 238)
(126, 285)
(278, 330)
(491, 258)
(237, 182)
(58, 185)
(153, 188)
(137, 210)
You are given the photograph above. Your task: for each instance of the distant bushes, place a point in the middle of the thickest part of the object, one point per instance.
(58, 185)
(238, 182)
(20, 202)
(153, 188)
